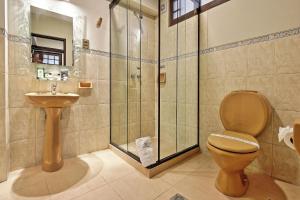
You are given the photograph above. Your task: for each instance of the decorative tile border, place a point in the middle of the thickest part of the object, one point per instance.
(19, 39)
(260, 39)
(91, 51)
(3, 32)
(119, 56)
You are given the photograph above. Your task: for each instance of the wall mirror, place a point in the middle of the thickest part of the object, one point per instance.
(51, 43)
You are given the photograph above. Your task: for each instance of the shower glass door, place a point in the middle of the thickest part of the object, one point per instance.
(179, 45)
(133, 77)
(119, 74)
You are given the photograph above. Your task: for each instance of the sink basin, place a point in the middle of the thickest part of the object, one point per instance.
(53, 104)
(47, 100)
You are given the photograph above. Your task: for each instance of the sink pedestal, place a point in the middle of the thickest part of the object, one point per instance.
(52, 156)
(53, 104)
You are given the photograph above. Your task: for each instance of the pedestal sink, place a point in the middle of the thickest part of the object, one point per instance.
(53, 104)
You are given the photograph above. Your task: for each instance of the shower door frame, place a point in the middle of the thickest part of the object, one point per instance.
(165, 159)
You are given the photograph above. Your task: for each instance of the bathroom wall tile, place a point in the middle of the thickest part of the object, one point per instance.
(90, 69)
(263, 162)
(216, 65)
(120, 113)
(168, 90)
(181, 38)
(148, 91)
(261, 59)
(235, 62)
(203, 31)
(191, 115)
(203, 67)
(119, 69)
(18, 86)
(147, 111)
(69, 119)
(215, 91)
(133, 112)
(103, 93)
(103, 115)
(18, 17)
(19, 59)
(39, 143)
(191, 35)
(264, 85)
(209, 119)
(203, 140)
(3, 162)
(2, 90)
(148, 72)
(235, 83)
(181, 114)
(148, 128)
(103, 71)
(22, 154)
(286, 164)
(22, 123)
(1, 54)
(2, 126)
(69, 86)
(103, 137)
(40, 122)
(286, 86)
(88, 119)
(88, 141)
(168, 112)
(89, 96)
(70, 144)
(286, 55)
(119, 91)
(267, 134)
(168, 139)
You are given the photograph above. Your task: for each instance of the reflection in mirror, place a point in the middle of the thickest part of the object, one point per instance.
(52, 38)
(48, 50)
(52, 72)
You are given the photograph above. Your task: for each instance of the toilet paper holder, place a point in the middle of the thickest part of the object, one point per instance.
(296, 135)
(291, 136)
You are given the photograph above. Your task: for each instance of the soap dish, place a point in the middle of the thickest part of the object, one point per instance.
(85, 85)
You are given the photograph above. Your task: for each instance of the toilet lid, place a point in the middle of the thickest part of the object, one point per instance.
(234, 142)
(245, 112)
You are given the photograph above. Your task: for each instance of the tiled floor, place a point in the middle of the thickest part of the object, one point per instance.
(104, 176)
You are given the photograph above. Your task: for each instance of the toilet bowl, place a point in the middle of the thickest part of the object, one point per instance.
(244, 115)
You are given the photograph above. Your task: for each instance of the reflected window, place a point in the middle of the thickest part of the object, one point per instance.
(181, 10)
(48, 50)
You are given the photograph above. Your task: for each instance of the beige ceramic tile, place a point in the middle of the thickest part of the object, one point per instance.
(286, 87)
(105, 193)
(22, 123)
(137, 186)
(286, 164)
(261, 59)
(114, 167)
(286, 57)
(22, 154)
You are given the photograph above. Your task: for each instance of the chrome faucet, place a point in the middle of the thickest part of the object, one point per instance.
(53, 88)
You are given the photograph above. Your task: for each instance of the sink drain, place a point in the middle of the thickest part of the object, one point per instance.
(178, 197)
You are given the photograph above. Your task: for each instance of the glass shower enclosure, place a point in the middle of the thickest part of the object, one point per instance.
(154, 79)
